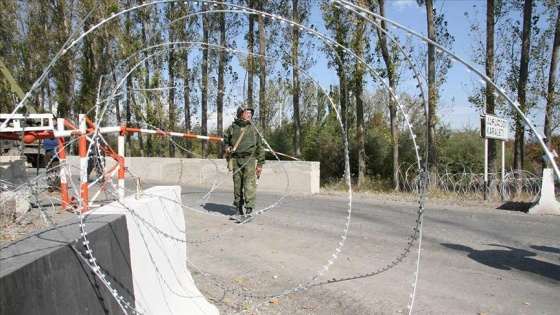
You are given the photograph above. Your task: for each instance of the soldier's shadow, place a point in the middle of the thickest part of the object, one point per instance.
(508, 258)
(221, 208)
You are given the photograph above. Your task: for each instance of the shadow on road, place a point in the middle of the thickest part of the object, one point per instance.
(516, 206)
(510, 258)
(221, 208)
(546, 249)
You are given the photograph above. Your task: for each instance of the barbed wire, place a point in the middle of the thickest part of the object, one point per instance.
(79, 204)
(462, 180)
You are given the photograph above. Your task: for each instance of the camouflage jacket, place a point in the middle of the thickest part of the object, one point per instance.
(250, 145)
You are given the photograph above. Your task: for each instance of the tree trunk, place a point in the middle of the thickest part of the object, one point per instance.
(187, 100)
(263, 112)
(129, 87)
(128, 110)
(340, 62)
(490, 98)
(250, 50)
(204, 88)
(550, 93)
(171, 98)
(358, 95)
(295, 81)
(139, 116)
(522, 84)
(221, 81)
(65, 78)
(185, 76)
(392, 104)
(432, 89)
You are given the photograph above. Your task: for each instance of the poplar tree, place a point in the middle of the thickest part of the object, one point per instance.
(204, 84)
(432, 87)
(250, 37)
(173, 30)
(337, 22)
(518, 157)
(187, 32)
(392, 78)
(490, 73)
(360, 43)
(263, 111)
(552, 98)
(296, 87)
(437, 66)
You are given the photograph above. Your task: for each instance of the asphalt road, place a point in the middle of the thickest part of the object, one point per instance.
(310, 255)
(475, 259)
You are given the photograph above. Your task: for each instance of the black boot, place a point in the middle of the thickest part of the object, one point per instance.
(239, 213)
(239, 216)
(248, 212)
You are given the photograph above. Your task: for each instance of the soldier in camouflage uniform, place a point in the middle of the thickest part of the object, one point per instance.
(247, 158)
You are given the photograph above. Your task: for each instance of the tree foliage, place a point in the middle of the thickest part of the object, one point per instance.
(174, 66)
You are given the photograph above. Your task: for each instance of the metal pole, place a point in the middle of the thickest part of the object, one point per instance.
(503, 169)
(62, 165)
(84, 157)
(121, 173)
(485, 169)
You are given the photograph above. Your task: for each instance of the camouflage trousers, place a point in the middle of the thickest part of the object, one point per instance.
(244, 182)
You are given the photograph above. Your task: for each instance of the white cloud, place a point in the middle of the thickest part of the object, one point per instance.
(401, 5)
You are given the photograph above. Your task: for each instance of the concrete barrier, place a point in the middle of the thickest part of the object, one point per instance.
(158, 250)
(547, 203)
(277, 176)
(140, 247)
(42, 274)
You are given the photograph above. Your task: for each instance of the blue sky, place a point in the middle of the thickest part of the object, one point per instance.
(454, 110)
(408, 13)
(458, 113)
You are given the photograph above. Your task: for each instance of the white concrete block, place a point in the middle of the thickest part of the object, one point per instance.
(156, 225)
(547, 203)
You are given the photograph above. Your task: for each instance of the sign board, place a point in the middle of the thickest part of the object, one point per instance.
(492, 127)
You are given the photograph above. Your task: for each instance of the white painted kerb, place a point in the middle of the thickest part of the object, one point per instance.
(158, 249)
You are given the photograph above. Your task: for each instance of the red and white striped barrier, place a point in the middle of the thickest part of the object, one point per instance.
(82, 133)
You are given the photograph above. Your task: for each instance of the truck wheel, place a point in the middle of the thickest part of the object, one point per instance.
(32, 160)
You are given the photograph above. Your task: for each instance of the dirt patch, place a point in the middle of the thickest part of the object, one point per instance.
(20, 218)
